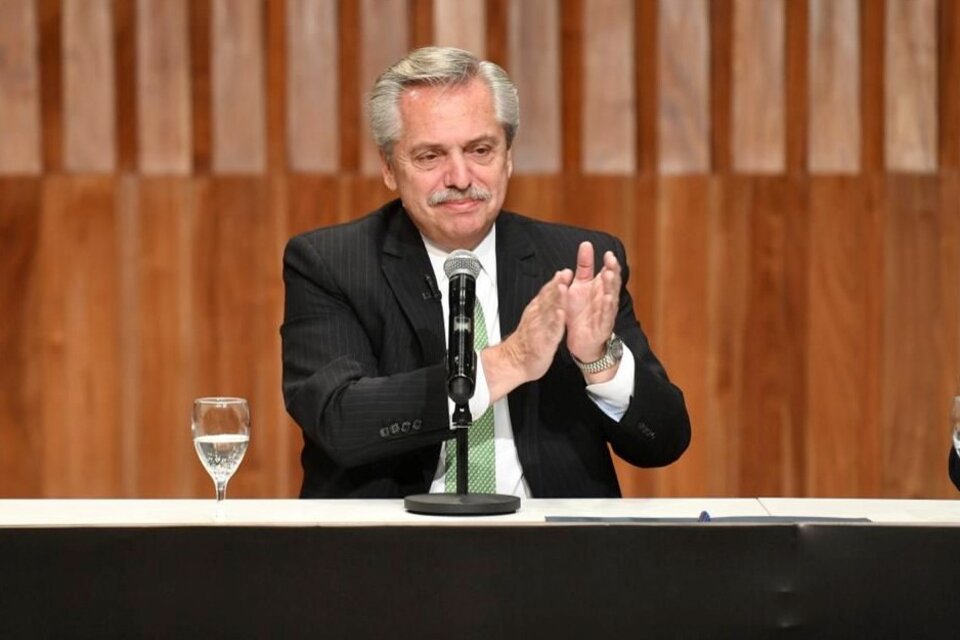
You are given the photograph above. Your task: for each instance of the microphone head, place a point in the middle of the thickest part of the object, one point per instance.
(460, 262)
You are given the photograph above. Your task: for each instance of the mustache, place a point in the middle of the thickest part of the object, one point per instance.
(456, 195)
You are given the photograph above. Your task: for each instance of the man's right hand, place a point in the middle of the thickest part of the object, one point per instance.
(527, 353)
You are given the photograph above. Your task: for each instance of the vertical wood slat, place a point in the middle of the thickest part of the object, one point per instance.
(534, 64)
(609, 91)
(911, 85)
(835, 143)
(796, 89)
(19, 89)
(89, 94)
(163, 87)
(647, 64)
(275, 87)
(384, 39)
(759, 139)
(162, 377)
(20, 396)
(462, 24)
(125, 80)
(78, 353)
(773, 355)
(948, 89)
(313, 113)
(913, 432)
(721, 85)
(680, 338)
(51, 84)
(684, 87)
(845, 321)
(572, 71)
(421, 23)
(232, 326)
(239, 110)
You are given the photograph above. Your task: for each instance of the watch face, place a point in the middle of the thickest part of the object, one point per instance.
(616, 348)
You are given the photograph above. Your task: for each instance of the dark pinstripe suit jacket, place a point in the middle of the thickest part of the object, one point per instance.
(364, 365)
(953, 467)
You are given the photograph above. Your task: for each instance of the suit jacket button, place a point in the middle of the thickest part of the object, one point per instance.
(645, 430)
(417, 424)
(384, 432)
(395, 428)
(405, 426)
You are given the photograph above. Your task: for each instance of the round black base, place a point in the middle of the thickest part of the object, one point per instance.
(461, 504)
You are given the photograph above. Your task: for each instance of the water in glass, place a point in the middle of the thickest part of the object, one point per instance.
(221, 433)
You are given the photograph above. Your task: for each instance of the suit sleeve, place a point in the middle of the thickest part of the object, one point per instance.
(331, 383)
(953, 466)
(655, 430)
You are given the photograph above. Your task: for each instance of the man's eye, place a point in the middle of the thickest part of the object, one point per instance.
(427, 159)
(481, 151)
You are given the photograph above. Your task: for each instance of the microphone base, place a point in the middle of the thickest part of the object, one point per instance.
(461, 504)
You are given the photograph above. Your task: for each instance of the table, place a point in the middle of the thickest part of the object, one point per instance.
(766, 567)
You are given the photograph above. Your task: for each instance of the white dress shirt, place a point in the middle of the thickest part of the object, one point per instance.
(612, 397)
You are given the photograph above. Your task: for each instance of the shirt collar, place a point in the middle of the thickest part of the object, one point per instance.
(486, 252)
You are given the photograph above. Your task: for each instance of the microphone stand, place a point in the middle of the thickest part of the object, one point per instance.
(461, 503)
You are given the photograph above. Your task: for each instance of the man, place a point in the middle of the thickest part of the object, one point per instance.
(567, 370)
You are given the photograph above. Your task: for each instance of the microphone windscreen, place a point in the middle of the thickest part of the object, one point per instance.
(462, 261)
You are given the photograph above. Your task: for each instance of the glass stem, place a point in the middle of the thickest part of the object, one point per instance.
(221, 491)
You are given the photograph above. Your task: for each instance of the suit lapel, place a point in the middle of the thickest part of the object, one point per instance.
(406, 268)
(519, 278)
(518, 271)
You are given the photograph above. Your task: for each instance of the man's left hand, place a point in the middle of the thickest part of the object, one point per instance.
(592, 303)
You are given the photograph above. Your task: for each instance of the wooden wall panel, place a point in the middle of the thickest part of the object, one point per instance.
(19, 89)
(609, 94)
(78, 355)
(845, 324)
(163, 88)
(685, 208)
(759, 134)
(534, 65)
(238, 102)
(311, 84)
(89, 108)
(812, 319)
(161, 215)
(911, 85)
(20, 396)
(773, 352)
(948, 89)
(911, 427)
(384, 39)
(462, 24)
(684, 87)
(834, 86)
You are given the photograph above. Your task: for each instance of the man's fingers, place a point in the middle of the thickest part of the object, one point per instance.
(585, 261)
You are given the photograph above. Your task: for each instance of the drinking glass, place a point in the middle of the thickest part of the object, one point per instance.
(221, 433)
(955, 419)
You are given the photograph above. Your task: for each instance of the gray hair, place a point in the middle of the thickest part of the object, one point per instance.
(437, 67)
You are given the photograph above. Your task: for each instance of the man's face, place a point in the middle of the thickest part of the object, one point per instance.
(451, 163)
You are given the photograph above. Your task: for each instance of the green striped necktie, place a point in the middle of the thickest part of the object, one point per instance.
(482, 467)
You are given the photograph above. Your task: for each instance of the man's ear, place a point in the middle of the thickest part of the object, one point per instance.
(387, 172)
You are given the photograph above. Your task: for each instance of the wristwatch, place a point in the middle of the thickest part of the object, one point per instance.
(610, 357)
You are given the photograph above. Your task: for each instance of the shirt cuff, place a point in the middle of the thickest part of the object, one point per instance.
(613, 396)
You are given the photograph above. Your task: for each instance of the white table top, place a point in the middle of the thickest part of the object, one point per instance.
(881, 511)
(237, 512)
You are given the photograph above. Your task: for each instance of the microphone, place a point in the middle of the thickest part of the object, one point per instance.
(462, 268)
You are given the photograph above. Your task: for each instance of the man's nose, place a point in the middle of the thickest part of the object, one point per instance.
(458, 173)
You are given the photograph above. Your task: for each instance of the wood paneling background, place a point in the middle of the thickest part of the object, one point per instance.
(784, 173)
